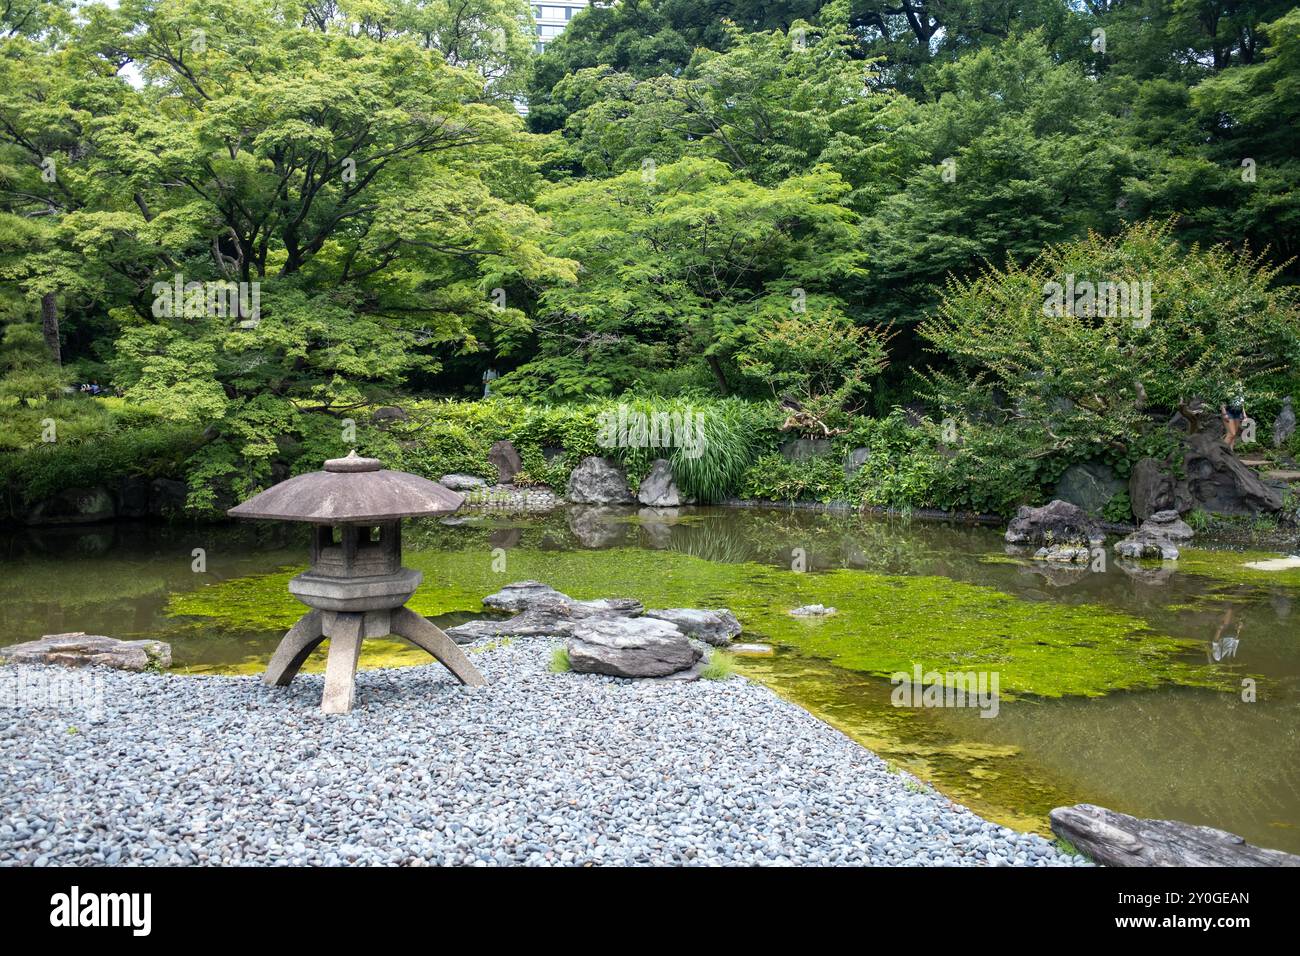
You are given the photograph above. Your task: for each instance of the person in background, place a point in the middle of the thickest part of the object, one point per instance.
(1234, 413)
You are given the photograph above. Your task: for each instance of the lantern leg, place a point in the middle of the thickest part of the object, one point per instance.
(303, 638)
(424, 634)
(346, 635)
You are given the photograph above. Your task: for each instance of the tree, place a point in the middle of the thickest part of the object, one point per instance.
(1048, 351)
(773, 105)
(645, 38)
(366, 194)
(678, 261)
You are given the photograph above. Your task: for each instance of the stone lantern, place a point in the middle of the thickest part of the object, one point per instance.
(356, 586)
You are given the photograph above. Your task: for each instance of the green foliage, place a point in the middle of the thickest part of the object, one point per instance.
(774, 478)
(98, 454)
(1078, 374)
(721, 665)
(560, 661)
(1119, 509)
(687, 258)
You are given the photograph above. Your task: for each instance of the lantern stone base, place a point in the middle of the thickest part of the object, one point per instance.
(346, 629)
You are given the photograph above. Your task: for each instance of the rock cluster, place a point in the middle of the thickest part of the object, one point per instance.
(459, 482)
(1214, 479)
(1157, 538)
(614, 636)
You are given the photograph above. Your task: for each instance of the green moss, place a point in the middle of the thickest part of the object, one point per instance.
(1230, 567)
(886, 624)
(560, 661)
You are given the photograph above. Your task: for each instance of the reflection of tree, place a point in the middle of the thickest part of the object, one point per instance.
(117, 579)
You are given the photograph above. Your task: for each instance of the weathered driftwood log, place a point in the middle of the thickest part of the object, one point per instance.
(1117, 839)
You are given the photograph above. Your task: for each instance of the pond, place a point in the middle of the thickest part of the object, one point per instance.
(1123, 686)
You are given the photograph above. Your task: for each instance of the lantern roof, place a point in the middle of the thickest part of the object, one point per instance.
(351, 490)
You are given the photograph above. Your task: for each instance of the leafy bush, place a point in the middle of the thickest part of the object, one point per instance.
(774, 478)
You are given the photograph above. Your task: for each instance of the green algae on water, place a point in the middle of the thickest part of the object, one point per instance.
(886, 623)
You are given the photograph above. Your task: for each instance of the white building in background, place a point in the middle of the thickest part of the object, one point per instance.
(552, 18)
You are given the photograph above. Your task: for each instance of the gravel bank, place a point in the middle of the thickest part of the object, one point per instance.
(536, 768)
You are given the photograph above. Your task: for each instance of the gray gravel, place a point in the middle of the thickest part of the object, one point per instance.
(536, 768)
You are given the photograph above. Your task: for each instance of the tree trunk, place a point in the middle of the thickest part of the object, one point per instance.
(716, 367)
(50, 326)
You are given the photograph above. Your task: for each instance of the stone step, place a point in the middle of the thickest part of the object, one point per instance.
(1278, 474)
(1256, 462)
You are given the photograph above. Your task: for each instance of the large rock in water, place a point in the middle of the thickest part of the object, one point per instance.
(506, 460)
(659, 488)
(1090, 485)
(1167, 524)
(716, 627)
(1117, 839)
(598, 481)
(1057, 522)
(1158, 538)
(79, 649)
(1221, 484)
(630, 647)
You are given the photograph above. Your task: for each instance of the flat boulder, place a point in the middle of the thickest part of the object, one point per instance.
(716, 627)
(554, 621)
(630, 647)
(1057, 522)
(78, 649)
(1117, 839)
(525, 596)
(659, 489)
(599, 481)
(459, 482)
(1143, 545)
(813, 610)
